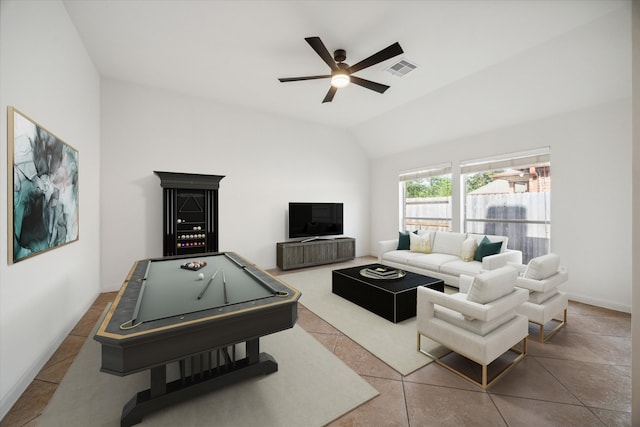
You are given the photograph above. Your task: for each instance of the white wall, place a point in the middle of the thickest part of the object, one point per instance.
(635, 314)
(267, 162)
(46, 74)
(591, 194)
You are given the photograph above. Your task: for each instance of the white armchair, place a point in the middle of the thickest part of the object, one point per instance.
(480, 325)
(541, 278)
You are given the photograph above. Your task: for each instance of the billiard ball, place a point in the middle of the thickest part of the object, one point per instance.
(200, 276)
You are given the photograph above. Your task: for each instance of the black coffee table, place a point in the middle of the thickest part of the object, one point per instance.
(393, 299)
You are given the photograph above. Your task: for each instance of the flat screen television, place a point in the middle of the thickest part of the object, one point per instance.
(312, 220)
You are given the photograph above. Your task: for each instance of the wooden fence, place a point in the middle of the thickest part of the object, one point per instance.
(523, 217)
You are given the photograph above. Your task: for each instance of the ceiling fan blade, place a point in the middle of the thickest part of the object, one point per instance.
(383, 55)
(378, 87)
(330, 94)
(321, 50)
(295, 79)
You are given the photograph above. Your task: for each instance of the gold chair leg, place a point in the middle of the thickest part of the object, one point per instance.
(559, 324)
(541, 334)
(484, 376)
(484, 383)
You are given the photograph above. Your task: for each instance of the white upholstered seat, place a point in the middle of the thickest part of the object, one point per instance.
(480, 325)
(546, 304)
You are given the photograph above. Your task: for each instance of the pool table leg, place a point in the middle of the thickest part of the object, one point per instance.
(158, 381)
(162, 394)
(253, 351)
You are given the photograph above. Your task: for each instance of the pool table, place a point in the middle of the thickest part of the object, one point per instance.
(200, 312)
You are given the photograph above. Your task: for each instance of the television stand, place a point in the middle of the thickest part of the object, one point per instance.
(316, 251)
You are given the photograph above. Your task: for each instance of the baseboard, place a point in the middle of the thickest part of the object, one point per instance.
(598, 302)
(17, 389)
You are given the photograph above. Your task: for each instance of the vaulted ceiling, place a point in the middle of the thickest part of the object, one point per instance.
(480, 64)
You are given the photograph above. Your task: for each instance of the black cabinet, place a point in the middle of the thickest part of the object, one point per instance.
(190, 212)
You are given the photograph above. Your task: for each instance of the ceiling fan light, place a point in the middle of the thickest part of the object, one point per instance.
(340, 80)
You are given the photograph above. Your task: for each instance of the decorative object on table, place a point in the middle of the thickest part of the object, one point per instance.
(382, 272)
(43, 172)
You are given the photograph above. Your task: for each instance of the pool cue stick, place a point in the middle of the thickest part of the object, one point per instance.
(208, 283)
(224, 287)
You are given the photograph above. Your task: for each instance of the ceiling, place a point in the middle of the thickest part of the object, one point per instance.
(233, 52)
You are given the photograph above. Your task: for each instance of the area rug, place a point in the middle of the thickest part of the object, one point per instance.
(393, 343)
(312, 387)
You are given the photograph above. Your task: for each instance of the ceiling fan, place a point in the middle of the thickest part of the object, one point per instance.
(341, 73)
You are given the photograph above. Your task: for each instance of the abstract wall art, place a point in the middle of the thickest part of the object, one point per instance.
(43, 189)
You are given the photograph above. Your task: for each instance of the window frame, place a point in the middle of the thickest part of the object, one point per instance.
(424, 173)
(517, 160)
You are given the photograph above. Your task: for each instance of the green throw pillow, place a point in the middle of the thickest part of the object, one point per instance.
(486, 248)
(404, 242)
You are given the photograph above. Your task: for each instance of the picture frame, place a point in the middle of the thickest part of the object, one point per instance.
(43, 188)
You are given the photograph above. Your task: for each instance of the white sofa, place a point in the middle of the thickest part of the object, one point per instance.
(445, 260)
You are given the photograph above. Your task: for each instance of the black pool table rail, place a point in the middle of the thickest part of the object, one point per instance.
(127, 301)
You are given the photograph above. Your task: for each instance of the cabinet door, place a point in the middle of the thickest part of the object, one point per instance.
(290, 256)
(346, 248)
(318, 252)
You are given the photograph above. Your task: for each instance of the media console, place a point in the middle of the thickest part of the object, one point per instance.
(298, 254)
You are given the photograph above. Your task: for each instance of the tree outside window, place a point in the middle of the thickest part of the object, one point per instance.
(427, 202)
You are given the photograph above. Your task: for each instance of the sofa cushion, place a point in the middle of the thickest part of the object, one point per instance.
(446, 242)
(431, 261)
(491, 285)
(476, 326)
(420, 243)
(401, 257)
(458, 267)
(468, 250)
(404, 240)
(486, 248)
(542, 267)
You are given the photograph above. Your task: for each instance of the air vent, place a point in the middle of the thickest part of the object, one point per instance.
(401, 68)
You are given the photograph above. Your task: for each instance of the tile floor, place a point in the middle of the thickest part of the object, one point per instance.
(580, 377)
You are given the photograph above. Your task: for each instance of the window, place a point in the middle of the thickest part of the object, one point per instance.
(510, 196)
(426, 199)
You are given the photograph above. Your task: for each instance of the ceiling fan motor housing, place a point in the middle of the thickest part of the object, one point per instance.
(340, 55)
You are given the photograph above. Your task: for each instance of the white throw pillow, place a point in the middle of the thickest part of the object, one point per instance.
(468, 250)
(542, 267)
(420, 243)
(491, 285)
(448, 242)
